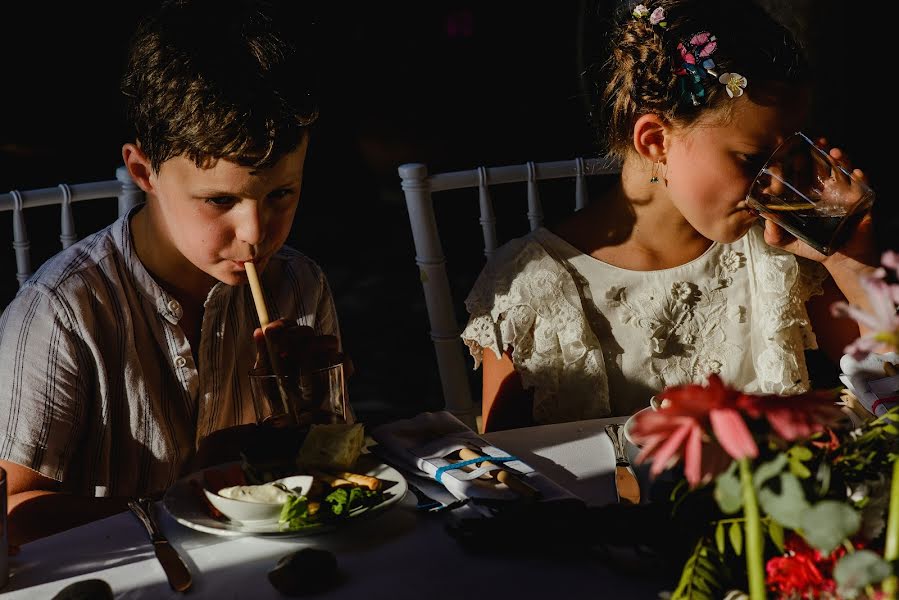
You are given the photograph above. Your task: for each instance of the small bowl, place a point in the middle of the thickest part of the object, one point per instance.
(241, 510)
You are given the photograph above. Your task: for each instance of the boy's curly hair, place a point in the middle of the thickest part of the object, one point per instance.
(639, 75)
(213, 79)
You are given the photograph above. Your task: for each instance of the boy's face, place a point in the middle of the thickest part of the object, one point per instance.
(217, 218)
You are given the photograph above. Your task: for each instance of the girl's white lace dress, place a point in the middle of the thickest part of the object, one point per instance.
(595, 340)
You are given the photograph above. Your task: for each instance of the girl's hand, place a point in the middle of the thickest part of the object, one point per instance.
(857, 252)
(296, 346)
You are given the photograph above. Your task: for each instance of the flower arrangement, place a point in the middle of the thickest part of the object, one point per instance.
(805, 505)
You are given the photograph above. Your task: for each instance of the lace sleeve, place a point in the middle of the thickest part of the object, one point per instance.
(524, 299)
(811, 278)
(781, 285)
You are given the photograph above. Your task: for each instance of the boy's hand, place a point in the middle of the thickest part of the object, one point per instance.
(296, 346)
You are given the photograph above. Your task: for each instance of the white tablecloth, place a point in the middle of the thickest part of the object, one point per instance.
(399, 554)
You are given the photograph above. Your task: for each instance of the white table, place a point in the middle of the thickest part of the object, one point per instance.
(399, 554)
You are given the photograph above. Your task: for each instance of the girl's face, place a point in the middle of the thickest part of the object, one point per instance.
(711, 164)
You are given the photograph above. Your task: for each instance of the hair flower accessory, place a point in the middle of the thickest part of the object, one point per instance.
(734, 83)
(697, 64)
(640, 11)
(658, 17)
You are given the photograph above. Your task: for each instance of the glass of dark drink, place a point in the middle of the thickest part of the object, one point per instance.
(317, 395)
(804, 190)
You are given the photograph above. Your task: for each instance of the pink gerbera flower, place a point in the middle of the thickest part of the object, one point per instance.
(679, 430)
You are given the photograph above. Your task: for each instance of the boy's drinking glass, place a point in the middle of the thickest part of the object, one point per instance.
(805, 191)
(315, 396)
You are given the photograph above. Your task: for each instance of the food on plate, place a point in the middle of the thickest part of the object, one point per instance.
(318, 495)
(347, 479)
(307, 571)
(332, 446)
(266, 493)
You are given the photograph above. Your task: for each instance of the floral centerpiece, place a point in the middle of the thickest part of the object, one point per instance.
(805, 505)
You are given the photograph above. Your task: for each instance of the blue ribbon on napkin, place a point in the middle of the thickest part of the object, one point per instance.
(464, 463)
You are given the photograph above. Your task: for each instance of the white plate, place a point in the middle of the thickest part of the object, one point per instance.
(629, 424)
(183, 502)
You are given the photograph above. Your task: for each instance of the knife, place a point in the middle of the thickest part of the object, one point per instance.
(175, 569)
(625, 481)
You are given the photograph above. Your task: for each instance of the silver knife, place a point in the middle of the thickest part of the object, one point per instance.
(175, 569)
(626, 484)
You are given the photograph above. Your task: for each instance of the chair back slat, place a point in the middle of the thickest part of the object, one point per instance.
(432, 272)
(418, 188)
(122, 188)
(20, 241)
(580, 186)
(130, 195)
(488, 218)
(535, 209)
(67, 235)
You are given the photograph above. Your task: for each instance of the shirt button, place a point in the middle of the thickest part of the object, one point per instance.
(174, 306)
(180, 361)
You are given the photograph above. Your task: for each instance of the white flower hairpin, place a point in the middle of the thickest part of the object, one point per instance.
(734, 84)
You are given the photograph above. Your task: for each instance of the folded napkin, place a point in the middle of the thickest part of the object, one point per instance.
(428, 445)
(868, 381)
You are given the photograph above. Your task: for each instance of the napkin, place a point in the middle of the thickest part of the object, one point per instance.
(868, 381)
(427, 445)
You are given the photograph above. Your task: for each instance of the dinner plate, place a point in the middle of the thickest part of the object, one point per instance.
(186, 506)
(629, 425)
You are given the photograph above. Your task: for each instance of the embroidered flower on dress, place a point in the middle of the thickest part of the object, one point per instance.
(682, 291)
(658, 17)
(734, 83)
(706, 365)
(640, 11)
(732, 260)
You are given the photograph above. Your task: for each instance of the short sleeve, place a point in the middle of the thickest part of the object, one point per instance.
(812, 276)
(43, 383)
(525, 299)
(326, 312)
(782, 282)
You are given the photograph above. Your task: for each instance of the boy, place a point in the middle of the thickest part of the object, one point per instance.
(126, 351)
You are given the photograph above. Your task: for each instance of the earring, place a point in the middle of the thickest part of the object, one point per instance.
(655, 172)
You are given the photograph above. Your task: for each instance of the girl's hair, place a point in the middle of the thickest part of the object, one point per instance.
(211, 79)
(640, 74)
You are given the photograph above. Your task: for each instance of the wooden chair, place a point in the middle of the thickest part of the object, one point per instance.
(419, 188)
(122, 187)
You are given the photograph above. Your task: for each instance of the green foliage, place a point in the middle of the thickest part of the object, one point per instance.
(826, 524)
(776, 533)
(858, 569)
(735, 533)
(702, 575)
(728, 493)
(797, 456)
(787, 506)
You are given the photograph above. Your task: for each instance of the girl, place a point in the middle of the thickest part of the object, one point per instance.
(668, 276)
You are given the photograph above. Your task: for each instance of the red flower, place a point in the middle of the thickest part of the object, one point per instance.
(796, 576)
(678, 430)
(794, 417)
(803, 572)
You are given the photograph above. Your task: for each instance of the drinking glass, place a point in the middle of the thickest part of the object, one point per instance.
(804, 190)
(315, 396)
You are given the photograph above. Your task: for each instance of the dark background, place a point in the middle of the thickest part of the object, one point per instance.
(454, 85)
